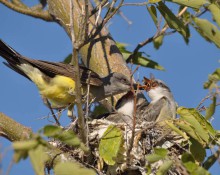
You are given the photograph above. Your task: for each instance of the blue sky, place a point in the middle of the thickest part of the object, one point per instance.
(187, 67)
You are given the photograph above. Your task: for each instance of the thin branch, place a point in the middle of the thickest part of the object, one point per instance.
(135, 4)
(21, 8)
(74, 61)
(53, 114)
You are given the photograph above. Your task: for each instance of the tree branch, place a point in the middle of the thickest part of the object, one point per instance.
(13, 130)
(34, 12)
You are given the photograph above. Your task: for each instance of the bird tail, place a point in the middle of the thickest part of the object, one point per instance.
(13, 58)
(9, 54)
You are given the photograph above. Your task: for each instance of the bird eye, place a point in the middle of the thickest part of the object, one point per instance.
(154, 84)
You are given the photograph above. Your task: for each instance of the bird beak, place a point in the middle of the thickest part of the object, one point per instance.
(138, 86)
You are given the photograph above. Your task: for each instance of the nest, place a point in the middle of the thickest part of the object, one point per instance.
(136, 145)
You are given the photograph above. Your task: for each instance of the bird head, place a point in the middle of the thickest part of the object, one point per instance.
(156, 88)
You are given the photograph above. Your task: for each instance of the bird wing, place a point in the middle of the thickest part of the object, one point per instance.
(155, 111)
(50, 69)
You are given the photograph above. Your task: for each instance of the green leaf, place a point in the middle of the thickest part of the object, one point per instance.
(51, 130)
(164, 167)
(210, 161)
(68, 59)
(38, 158)
(172, 21)
(146, 62)
(197, 150)
(71, 168)
(211, 109)
(191, 166)
(19, 154)
(200, 171)
(188, 162)
(186, 127)
(154, 1)
(153, 13)
(158, 41)
(196, 4)
(213, 79)
(189, 116)
(25, 145)
(67, 137)
(208, 30)
(177, 130)
(110, 144)
(138, 58)
(159, 153)
(215, 13)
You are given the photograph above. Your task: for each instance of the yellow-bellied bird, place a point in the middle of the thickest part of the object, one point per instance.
(56, 81)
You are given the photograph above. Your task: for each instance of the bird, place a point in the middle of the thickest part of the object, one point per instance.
(162, 105)
(56, 81)
(124, 108)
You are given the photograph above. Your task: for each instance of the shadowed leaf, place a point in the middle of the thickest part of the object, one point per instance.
(138, 59)
(153, 13)
(197, 150)
(172, 21)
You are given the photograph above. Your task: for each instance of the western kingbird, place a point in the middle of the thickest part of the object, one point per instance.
(162, 105)
(56, 81)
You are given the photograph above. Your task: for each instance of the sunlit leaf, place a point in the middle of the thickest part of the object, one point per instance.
(158, 41)
(110, 144)
(25, 145)
(196, 4)
(188, 115)
(71, 168)
(164, 167)
(208, 30)
(203, 122)
(38, 157)
(154, 1)
(67, 137)
(51, 130)
(211, 109)
(186, 127)
(153, 13)
(159, 153)
(200, 170)
(213, 79)
(172, 21)
(215, 13)
(177, 130)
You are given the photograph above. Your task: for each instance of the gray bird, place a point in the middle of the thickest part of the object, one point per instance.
(162, 105)
(56, 81)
